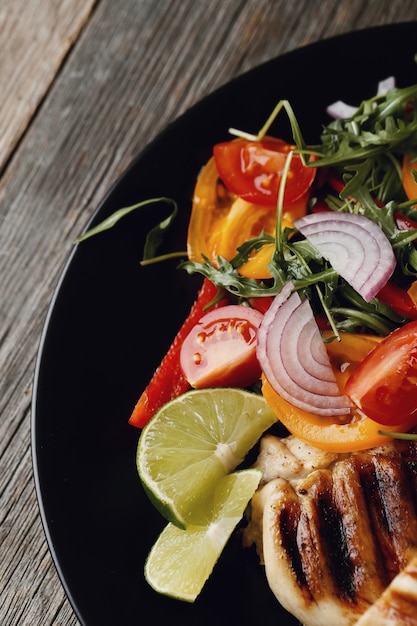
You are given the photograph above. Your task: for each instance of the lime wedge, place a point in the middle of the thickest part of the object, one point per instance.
(181, 561)
(194, 441)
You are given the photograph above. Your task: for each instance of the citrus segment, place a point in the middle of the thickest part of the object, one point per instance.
(181, 561)
(195, 440)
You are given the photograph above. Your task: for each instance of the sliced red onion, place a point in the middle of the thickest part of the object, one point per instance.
(294, 359)
(385, 85)
(354, 245)
(339, 110)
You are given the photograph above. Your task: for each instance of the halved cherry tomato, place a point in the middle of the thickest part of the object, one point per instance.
(332, 433)
(221, 349)
(410, 185)
(384, 385)
(253, 170)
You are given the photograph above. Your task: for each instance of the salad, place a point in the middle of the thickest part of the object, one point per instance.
(338, 222)
(309, 276)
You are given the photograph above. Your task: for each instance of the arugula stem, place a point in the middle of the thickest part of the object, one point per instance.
(363, 319)
(163, 257)
(312, 278)
(278, 252)
(394, 435)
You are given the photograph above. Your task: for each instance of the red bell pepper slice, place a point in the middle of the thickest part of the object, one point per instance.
(169, 381)
(398, 300)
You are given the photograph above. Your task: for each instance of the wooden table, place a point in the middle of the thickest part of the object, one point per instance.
(84, 85)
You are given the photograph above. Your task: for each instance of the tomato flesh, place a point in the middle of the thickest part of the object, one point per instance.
(384, 385)
(221, 349)
(253, 170)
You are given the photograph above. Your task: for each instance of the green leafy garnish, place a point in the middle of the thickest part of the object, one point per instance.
(154, 237)
(367, 147)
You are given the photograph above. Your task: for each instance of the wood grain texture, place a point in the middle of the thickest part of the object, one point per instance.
(84, 87)
(35, 38)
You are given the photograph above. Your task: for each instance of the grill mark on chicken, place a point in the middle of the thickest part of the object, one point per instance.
(332, 531)
(390, 502)
(322, 539)
(288, 524)
(365, 557)
(338, 536)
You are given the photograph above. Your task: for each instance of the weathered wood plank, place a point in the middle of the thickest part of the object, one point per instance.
(134, 66)
(35, 37)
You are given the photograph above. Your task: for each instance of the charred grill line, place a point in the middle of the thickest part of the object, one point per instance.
(371, 485)
(332, 530)
(288, 524)
(391, 498)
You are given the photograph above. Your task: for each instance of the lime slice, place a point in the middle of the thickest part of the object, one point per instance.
(194, 441)
(181, 561)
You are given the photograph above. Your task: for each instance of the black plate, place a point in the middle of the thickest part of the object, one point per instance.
(103, 339)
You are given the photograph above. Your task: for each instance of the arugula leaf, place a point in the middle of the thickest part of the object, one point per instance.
(252, 245)
(155, 235)
(226, 276)
(367, 147)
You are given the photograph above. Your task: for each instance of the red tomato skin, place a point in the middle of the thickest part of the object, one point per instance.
(252, 170)
(384, 385)
(221, 349)
(403, 222)
(261, 304)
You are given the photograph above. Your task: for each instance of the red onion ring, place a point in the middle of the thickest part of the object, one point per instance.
(294, 359)
(354, 245)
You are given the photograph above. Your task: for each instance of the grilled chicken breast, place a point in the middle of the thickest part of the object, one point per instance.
(333, 531)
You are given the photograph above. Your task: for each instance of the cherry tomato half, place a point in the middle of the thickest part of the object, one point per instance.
(384, 385)
(221, 349)
(253, 169)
